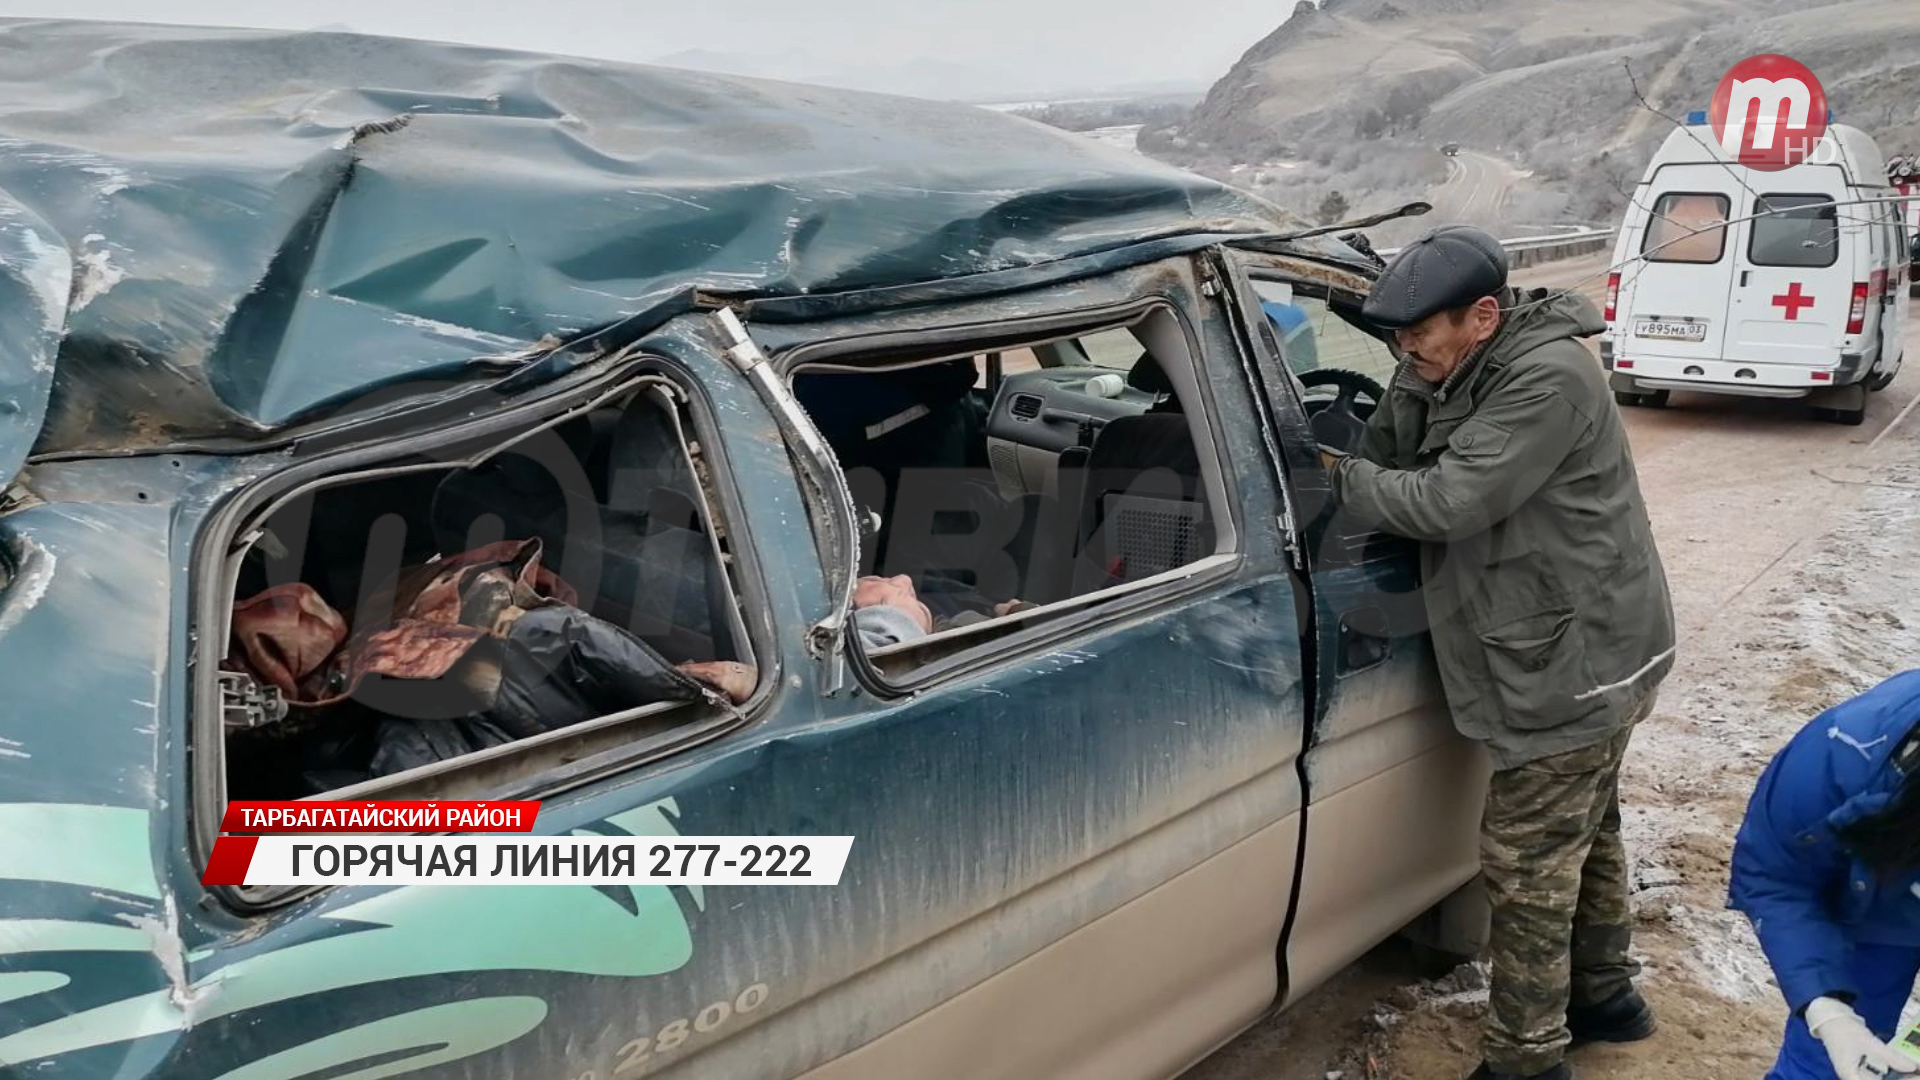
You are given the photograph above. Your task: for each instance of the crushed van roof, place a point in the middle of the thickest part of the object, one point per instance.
(260, 226)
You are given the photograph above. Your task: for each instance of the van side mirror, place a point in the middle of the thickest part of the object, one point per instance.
(1913, 252)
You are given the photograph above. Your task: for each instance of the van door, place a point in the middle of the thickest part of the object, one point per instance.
(1673, 303)
(1794, 269)
(1394, 794)
(1077, 831)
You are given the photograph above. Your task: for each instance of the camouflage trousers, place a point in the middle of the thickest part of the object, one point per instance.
(1556, 874)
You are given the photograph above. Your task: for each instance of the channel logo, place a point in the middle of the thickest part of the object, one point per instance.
(1769, 112)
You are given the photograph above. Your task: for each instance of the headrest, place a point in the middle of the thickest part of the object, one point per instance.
(844, 406)
(1149, 377)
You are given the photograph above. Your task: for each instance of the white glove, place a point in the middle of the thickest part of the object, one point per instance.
(1856, 1052)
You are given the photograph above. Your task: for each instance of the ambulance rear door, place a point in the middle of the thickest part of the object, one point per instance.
(1673, 301)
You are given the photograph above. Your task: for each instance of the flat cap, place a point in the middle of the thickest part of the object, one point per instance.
(1450, 267)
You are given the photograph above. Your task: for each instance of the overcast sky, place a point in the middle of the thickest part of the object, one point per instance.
(1017, 45)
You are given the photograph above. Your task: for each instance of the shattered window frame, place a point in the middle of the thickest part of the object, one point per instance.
(925, 660)
(530, 767)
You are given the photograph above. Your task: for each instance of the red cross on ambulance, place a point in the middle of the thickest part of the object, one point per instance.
(1792, 301)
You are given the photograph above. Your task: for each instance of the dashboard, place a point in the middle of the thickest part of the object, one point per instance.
(1038, 414)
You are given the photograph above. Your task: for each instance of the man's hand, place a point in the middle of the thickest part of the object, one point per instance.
(1857, 1053)
(730, 677)
(1328, 457)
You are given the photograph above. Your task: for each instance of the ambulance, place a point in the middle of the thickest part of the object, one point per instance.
(1784, 284)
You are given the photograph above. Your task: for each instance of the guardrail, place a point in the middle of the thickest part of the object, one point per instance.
(1528, 250)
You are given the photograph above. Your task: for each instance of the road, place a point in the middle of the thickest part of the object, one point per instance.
(1713, 466)
(1476, 188)
(1736, 488)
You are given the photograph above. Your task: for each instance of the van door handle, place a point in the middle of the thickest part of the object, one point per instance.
(1744, 275)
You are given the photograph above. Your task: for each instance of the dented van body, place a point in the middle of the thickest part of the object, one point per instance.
(308, 311)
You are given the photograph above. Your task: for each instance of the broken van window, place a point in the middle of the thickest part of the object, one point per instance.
(1313, 337)
(1078, 473)
(1115, 349)
(414, 615)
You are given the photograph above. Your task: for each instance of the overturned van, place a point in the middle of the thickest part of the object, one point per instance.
(699, 456)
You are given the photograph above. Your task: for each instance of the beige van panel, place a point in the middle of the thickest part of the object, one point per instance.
(1380, 718)
(1139, 994)
(1382, 851)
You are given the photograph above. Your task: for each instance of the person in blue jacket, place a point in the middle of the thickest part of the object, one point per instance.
(1827, 867)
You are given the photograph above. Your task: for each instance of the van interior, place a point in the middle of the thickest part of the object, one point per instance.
(569, 587)
(486, 611)
(1000, 489)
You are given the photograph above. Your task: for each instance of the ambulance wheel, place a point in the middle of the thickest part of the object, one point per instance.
(1847, 417)
(1655, 399)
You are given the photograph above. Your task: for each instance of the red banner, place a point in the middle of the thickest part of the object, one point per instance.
(379, 817)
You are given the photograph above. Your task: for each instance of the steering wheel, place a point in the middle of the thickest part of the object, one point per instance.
(1341, 422)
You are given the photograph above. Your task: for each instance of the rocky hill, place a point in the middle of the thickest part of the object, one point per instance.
(1551, 85)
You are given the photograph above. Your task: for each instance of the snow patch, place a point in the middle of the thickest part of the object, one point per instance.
(97, 276)
(432, 326)
(669, 198)
(1725, 954)
(48, 271)
(464, 333)
(116, 179)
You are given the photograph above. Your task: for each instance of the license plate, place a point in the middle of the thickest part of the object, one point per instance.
(1670, 331)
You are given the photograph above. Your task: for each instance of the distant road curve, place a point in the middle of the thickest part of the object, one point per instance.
(1476, 188)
